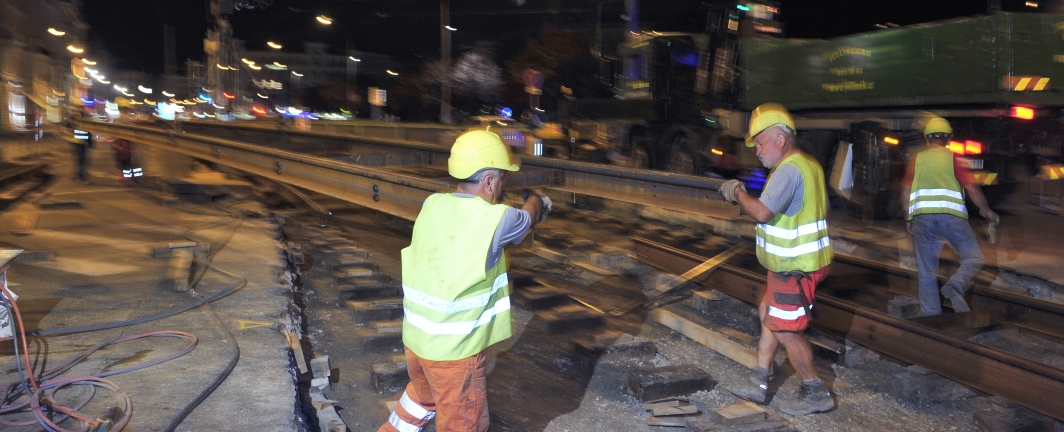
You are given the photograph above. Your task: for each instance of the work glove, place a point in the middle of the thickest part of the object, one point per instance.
(990, 217)
(727, 190)
(547, 204)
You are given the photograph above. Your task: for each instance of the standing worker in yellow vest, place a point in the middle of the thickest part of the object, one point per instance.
(456, 291)
(80, 142)
(932, 194)
(793, 244)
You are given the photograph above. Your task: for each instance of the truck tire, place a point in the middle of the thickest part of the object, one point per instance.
(682, 160)
(638, 157)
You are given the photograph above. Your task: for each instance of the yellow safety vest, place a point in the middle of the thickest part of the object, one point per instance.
(798, 242)
(935, 187)
(453, 307)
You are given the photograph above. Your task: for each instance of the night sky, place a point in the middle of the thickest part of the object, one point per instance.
(132, 30)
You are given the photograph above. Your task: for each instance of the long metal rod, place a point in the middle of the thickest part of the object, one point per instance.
(1035, 385)
(669, 191)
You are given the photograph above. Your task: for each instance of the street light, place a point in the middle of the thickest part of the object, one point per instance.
(354, 59)
(88, 62)
(274, 45)
(450, 28)
(324, 19)
(74, 49)
(56, 32)
(392, 73)
(144, 89)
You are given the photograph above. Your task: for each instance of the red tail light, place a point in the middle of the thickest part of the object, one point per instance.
(956, 147)
(1021, 112)
(973, 147)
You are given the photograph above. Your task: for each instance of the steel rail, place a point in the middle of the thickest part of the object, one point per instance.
(396, 194)
(1035, 385)
(690, 194)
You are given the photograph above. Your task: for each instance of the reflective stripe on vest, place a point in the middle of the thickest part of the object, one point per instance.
(467, 303)
(935, 188)
(787, 315)
(460, 327)
(81, 135)
(791, 252)
(798, 242)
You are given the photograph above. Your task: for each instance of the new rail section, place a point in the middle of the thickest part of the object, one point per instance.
(393, 169)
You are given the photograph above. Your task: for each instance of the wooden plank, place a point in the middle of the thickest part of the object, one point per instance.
(714, 340)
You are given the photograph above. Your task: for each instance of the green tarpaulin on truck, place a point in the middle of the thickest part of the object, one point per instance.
(1003, 58)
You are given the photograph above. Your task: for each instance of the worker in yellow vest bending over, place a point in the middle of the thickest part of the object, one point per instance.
(793, 244)
(456, 291)
(932, 193)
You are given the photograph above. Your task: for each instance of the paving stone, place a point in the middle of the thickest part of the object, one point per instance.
(571, 317)
(367, 311)
(389, 377)
(917, 388)
(743, 412)
(903, 307)
(657, 383)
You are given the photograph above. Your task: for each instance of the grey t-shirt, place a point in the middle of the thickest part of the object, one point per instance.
(785, 191)
(512, 228)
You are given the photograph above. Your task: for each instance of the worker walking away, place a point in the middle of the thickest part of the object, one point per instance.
(456, 290)
(793, 244)
(80, 142)
(933, 196)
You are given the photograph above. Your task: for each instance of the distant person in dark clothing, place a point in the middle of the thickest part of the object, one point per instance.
(80, 142)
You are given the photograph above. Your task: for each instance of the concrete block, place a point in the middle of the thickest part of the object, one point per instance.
(917, 388)
(380, 340)
(389, 377)
(903, 307)
(366, 311)
(539, 297)
(703, 301)
(571, 317)
(320, 367)
(741, 413)
(370, 291)
(353, 263)
(362, 279)
(657, 383)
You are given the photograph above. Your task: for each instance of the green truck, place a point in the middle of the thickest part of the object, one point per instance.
(683, 100)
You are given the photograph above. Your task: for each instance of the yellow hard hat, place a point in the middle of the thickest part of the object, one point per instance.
(937, 125)
(766, 116)
(476, 150)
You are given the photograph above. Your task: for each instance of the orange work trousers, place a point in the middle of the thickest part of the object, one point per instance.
(454, 392)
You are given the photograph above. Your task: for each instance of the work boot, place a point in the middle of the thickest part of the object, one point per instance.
(812, 397)
(754, 389)
(956, 297)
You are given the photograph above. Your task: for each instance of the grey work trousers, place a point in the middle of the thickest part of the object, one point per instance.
(931, 229)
